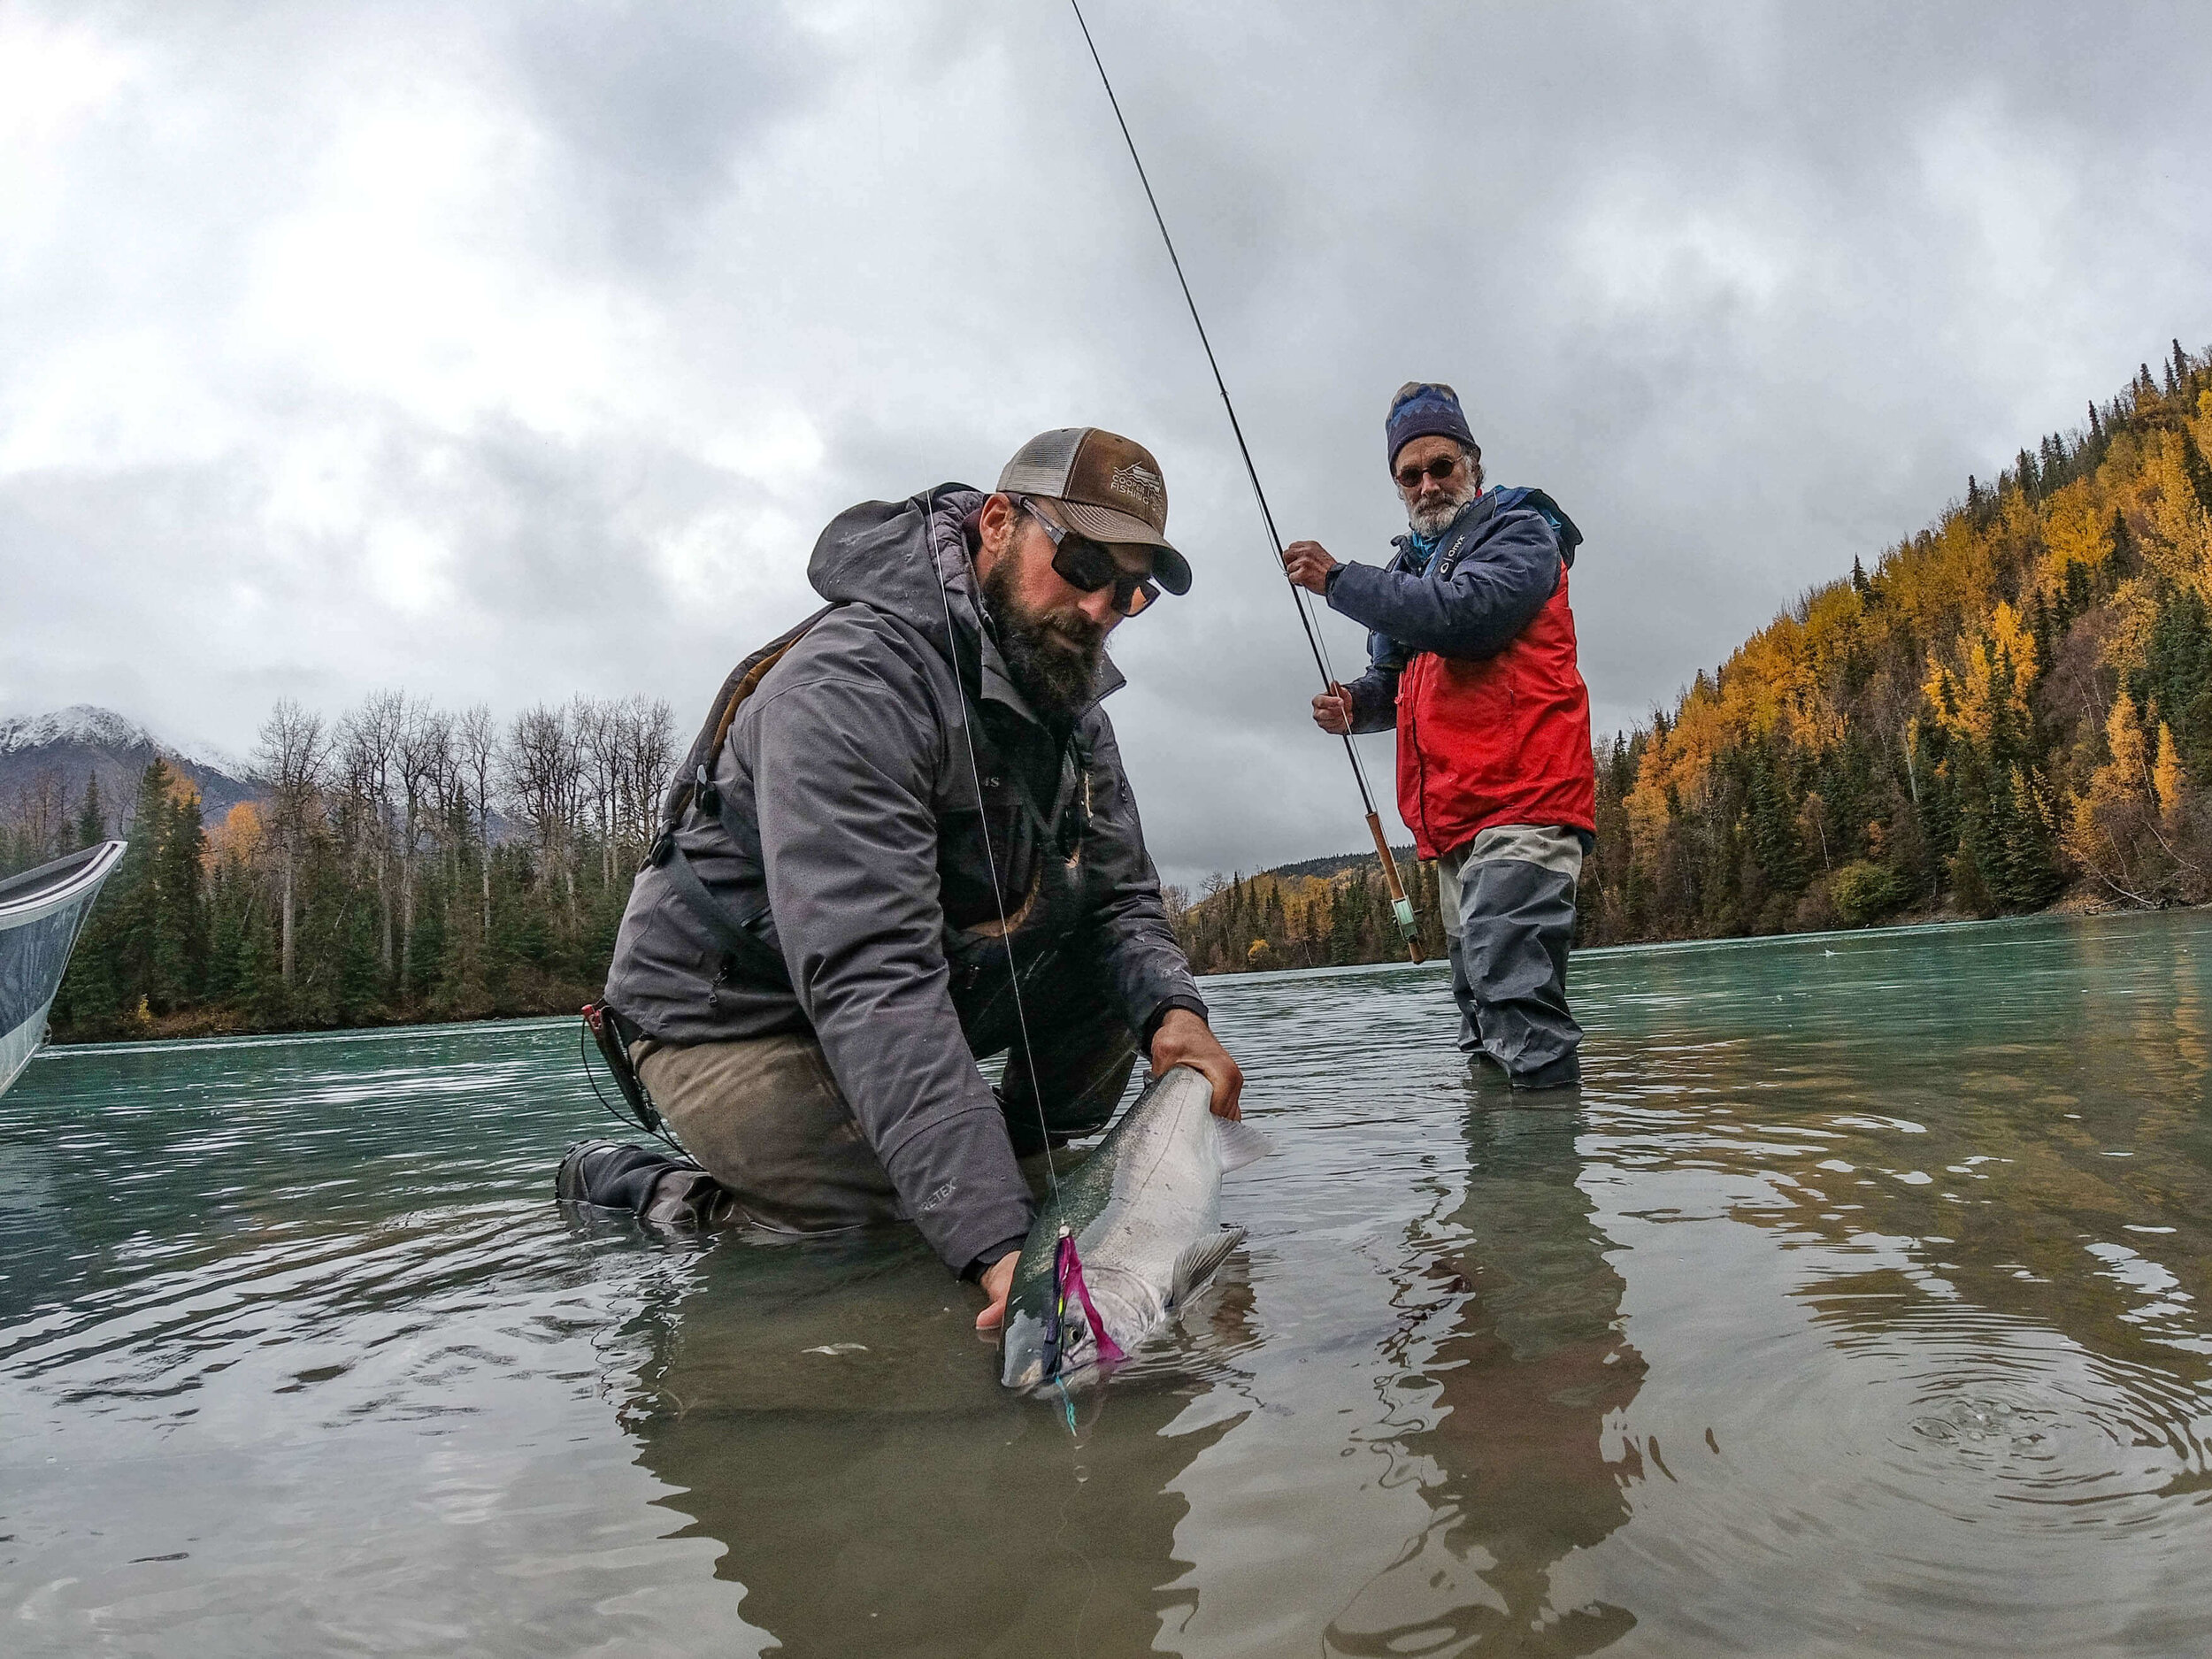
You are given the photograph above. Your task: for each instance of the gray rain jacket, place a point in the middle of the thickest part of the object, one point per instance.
(848, 804)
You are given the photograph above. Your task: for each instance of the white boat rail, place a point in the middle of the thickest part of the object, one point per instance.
(41, 913)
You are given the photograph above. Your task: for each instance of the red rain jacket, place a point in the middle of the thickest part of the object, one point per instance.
(1472, 658)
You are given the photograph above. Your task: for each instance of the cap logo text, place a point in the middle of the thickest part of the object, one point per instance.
(1138, 482)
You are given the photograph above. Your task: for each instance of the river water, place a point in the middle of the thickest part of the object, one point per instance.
(1859, 1309)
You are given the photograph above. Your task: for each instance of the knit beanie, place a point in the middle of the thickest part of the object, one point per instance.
(1426, 409)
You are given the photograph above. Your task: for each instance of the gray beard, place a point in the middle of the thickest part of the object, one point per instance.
(1431, 522)
(1055, 674)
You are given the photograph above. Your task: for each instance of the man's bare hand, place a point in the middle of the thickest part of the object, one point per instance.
(997, 1279)
(1332, 710)
(1183, 1038)
(1308, 563)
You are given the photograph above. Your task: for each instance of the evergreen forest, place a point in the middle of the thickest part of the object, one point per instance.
(2012, 708)
(402, 864)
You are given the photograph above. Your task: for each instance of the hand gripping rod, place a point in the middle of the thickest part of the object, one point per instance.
(1400, 907)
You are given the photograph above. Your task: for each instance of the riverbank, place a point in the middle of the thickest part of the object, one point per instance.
(561, 996)
(525, 1001)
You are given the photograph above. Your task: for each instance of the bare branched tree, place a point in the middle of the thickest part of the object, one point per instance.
(293, 757)
(543, 771)
(368, 750)
(478, 763)
(424, 755)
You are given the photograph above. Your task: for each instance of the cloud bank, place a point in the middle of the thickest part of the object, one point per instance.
(501, 352)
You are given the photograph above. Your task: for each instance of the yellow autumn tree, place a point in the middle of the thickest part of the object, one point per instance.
(237, 837)
(2079, 531)
(1991, 683)
(2129, 769)
(2166, 777)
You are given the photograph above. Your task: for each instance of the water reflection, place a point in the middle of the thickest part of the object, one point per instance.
(827, 1416)
(1524, 1377)
(1950, 1193)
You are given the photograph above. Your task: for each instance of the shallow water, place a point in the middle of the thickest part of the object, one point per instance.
(1857, 1310)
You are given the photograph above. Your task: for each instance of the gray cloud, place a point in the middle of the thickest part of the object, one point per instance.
(502, 351)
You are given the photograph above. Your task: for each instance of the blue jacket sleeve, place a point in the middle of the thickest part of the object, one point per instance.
(1498, 586)
(1375, 693)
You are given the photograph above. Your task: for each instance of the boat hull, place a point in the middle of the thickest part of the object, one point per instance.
(41, 913)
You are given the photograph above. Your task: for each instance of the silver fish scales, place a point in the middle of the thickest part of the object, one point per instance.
(1143, 1212)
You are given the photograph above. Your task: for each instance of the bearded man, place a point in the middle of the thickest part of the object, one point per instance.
(902, 843)
(1471, 657)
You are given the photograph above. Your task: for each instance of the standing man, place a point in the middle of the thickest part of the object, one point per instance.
(1471, 657)
(902, 842)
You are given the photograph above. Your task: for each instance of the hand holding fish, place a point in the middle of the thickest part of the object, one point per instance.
(996, 1280)
(1184, 1038)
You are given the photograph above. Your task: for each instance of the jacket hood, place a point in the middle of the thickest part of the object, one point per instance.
(910, 559)
(1502, 499)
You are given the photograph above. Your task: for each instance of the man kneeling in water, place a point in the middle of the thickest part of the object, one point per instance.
(892, 809)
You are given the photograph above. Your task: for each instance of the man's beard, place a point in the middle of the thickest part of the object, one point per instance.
(1053, 663)
(1435, 519)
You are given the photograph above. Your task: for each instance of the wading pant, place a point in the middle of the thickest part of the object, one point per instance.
(1508, 903)
(770, 1123)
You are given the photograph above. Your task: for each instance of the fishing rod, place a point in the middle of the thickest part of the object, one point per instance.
(1400, 906)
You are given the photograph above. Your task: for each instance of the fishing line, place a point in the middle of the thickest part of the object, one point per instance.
(583, 1051)
(1401, 909)
(1251, 472)
(983, 819)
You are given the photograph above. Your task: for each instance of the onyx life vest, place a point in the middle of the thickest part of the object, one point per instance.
(1500, 739)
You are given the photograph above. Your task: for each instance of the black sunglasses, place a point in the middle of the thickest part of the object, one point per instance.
(1440, 468)
(1084, 565)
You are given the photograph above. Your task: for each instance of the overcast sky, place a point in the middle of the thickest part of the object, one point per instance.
(503, 352)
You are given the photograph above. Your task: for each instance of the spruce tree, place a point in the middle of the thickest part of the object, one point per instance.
(2193, 469)
(92, 820)
(180, 871)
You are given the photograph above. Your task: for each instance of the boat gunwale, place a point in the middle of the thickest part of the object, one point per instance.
(24, 899)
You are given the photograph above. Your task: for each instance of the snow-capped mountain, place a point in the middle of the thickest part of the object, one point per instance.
(69, 745)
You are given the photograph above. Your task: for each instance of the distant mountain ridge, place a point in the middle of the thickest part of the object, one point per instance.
(72, 745)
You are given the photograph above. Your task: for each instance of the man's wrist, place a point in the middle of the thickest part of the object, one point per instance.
(989, 1259)
(1188, 1004)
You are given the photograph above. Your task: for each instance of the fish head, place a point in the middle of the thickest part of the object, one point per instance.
(1021, 1350)
(1029, 1359)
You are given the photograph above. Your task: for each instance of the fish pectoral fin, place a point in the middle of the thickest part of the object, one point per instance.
(1242, 1144)
(1195, 1265)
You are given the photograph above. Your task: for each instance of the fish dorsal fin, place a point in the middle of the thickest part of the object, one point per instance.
(1242, 1144)
(1197, 1262)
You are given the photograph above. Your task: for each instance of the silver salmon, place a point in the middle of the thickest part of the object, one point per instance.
(1141, 1219)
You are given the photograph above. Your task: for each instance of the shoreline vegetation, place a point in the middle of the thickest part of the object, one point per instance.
(2011, 712)
(402, 865)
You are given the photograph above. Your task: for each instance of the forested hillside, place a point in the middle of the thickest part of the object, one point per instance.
(370, 882)
(2014, 702)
